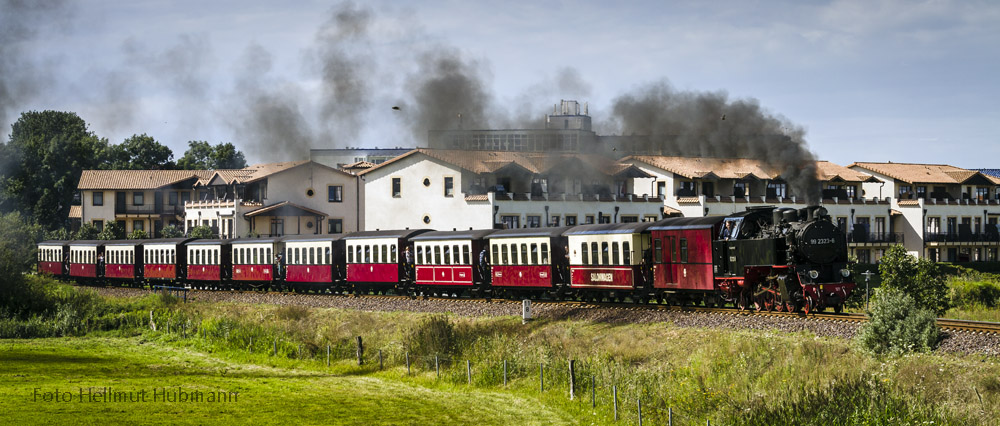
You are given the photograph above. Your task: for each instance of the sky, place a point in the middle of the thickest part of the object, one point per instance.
(876, 80)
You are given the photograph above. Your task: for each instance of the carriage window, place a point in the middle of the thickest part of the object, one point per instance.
(173, 256)
(605, 255)
(456, 253)
(437, 255)
(385, 253)
(420, 255)
(524, 254)
(329, 256)
(269, 258)
(513, 255)
(673, 249)
(657, 250)
(312, 255)
(359, 258)
(545, 253)
(215, 257)
(466, 255)
(616, 259)
(626, 253)
(447, 255)
(593, 254)
(503, 249)
(368, 254)
(534, 254)
(684, 250)
(392, 253)
(496, 253)
(255, 256)
(350, 255)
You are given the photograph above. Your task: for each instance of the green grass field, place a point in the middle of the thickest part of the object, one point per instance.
(32, 368)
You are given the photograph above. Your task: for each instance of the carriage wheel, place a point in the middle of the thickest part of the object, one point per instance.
(838, 308)
(808, 305)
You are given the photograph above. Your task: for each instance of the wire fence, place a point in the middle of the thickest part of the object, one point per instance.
(577, 381)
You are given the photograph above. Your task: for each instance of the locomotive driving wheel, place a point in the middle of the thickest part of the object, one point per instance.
(808, 304)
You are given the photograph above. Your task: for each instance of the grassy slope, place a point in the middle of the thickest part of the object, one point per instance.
(266, 394)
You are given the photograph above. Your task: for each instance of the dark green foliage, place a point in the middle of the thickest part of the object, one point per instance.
(921, 279)
(203, 156)
(86, 232)
(61, 234)
(171, 231)
(138, 234)
(40, 165)
(140, 152)
(201, 232)
(111, 231)
(975, 291)
(18, 239)
(434, 335)
(896, 325)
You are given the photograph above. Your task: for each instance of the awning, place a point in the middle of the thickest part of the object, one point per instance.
(76, 212)
(284, 208)
(894, 212)
(670, 211)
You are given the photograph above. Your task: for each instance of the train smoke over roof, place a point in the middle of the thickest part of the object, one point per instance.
(708, 124)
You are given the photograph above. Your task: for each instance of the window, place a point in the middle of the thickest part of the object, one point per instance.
(626, 253)
(630, 219)
(605, 218)
(657, 250)
(335, 226)
(98, 198)
(511, 221)
(534, 221)
(335, 193)
(534, 253)
(496, 253)
(777, 189)
(673, 249)
(686, 189)
(392, 253)
(368, 254)
(420, 255)
(385, 254)
(605, 254)
(583, 252)
(505, 260)
(570, 220)
(172, 198)
(545, 253)
(466, 255)
(99, 224)
(684, 250)
(661, 188)
(904, 192)
(350, 256)
(449, 186)
(593, 253)
(437, 255)
(524, 254)
(851, 190)
(513, 254)
(397, 190)
(447, 255)
(982, 193)
(740, 189)
(554, 221)
(138, 225)
(615, 255)
(456, 254)
(588, 219)
(185, 197)
(137, 198)
(312, 255)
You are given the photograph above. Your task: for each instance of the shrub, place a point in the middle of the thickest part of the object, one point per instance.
(434, 335)
(171, 231)
(969, 292)
(896, 325)
(921, 279)
(201, 232)
(111, 231)
(138, 234)
(86, 232)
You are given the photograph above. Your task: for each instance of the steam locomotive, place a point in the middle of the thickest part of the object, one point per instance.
(764, 258)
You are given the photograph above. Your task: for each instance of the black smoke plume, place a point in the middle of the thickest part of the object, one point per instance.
(21, 75)
(449, 92)
(708, 124)
(346, 66)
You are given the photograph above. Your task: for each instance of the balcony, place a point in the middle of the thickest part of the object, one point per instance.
(961, 237)
(875, 238)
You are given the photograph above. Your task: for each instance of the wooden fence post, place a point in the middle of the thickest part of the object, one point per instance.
(614, 397)
(361, 352)
(505, 373)
(468, 370)
(572, 380)
(407, 363)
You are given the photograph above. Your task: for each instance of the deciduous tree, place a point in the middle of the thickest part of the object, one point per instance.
(203, 156)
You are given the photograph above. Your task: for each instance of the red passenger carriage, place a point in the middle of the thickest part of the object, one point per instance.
(528, 261)
(683, 267)
(52, 257)
(448, 261)
(610, 260)
(122, 262)
(164, 260)
(208, 262)
(312, 262)
(254, 261)
(85, 260)
(376, 262)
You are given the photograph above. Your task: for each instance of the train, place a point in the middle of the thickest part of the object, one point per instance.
(764, 258)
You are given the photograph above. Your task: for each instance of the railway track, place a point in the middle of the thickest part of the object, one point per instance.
(943, 323)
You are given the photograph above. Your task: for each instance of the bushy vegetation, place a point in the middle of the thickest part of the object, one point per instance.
(86, 232)
(111, 231)
(919, 278)
(896, 325)
(171, 231)
(138, 234)
(201, 232)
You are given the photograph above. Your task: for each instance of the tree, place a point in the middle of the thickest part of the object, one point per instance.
(138, 234)
(42, 163)
(140, 152)
(201, 232)
(111, 231)
(18, 239)
(171, 231)
(203, 156)
(86, 232)
(921, 279)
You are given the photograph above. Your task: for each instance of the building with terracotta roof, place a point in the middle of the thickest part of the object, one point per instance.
(945, 212)
(288, 198)
(483, 189)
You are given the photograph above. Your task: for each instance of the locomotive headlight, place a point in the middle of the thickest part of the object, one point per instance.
(814, 274)
(845, 272)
